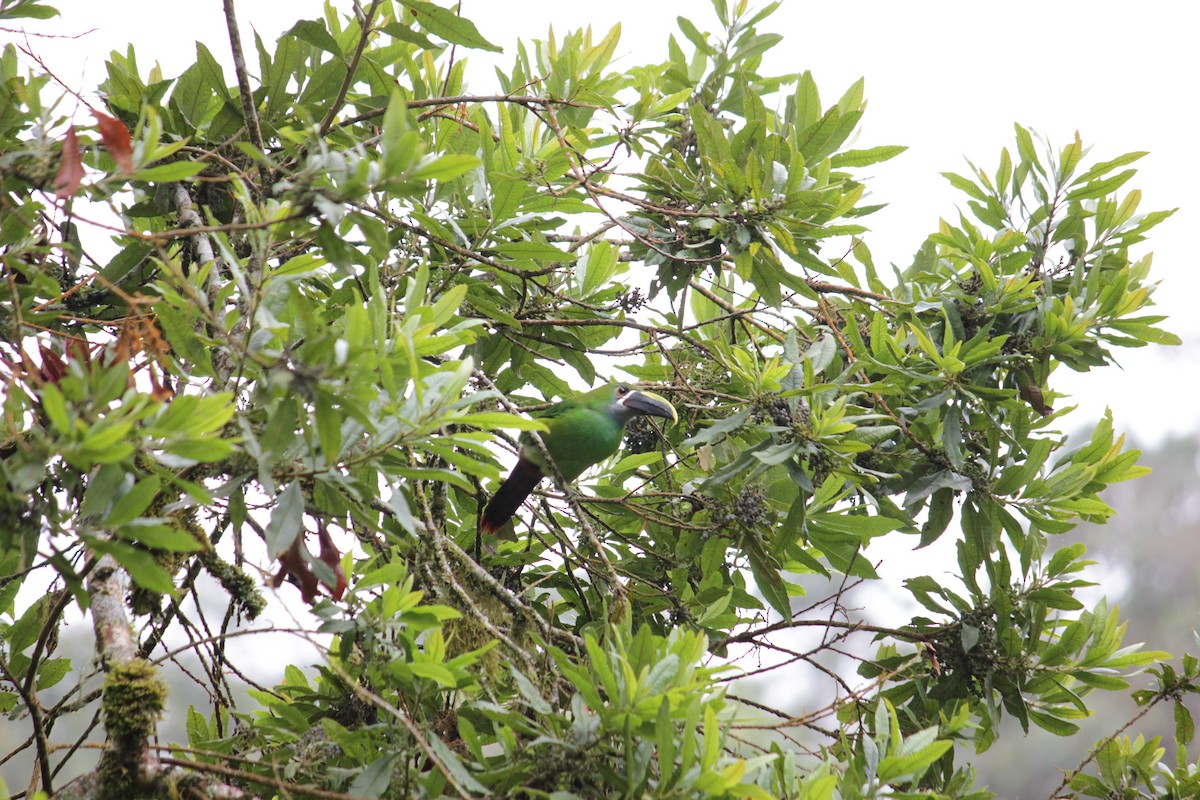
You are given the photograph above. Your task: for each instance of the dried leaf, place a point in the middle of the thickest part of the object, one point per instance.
(160, 391)
(333, 559)
(53, 367)
(1032, 393)
(70, 169)
(79, 350)
(140, 334)
(293, 567)
(116, 140)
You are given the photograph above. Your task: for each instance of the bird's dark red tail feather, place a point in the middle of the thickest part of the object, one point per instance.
(509, 497)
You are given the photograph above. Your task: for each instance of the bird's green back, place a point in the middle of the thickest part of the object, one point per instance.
(582, 432)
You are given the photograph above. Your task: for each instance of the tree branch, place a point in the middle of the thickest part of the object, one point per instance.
(134, 695)
(249, 112)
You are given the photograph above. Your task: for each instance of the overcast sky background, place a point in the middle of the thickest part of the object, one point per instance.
(946, 78)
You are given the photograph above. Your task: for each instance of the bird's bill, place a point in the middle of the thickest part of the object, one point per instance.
(650, 404)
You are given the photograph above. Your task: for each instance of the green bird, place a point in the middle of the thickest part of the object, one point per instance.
(581, 431)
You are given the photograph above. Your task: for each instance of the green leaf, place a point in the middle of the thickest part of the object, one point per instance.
(534, 251)
(863, 158)
(130, 506)
(161, 537)
(438, 673)
(52, 671)
(193, 98)
(286, 520)
(765, 569)
(449, 26)
(599, 266)
(1053, 724)
(494, 420)
(1026, 150)
(1055, 598)
(406, 34)
(895, 768)
(529, 692)
(55, 406)
(169, 173)
(1099, 188)
(126, 261)
(140, 565)
(453, 765)
(374, 780)
(665, 738)
(197, 728)
(195, 414)
(181, 333)
(636, 461)
(807, 101)
(399, 144)
(1185, 726)
(447, 305)
(315, 33)
(28, 10)
(1103, 167)
(199, 450)
(719, 429)
(941, 511)
(694, 35)
(444, 168)
(213, 76)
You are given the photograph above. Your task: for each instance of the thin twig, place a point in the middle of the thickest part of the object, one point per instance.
(351, 68)
(438, 102)
(851, 627)
(287, 787)
(29, 699)
(1070, 775)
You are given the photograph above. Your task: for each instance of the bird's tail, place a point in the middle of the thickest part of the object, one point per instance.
(509, 497)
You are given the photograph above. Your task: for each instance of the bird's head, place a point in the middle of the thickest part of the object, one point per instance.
(627, 402)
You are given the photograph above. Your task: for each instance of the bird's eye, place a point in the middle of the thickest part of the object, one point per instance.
(621, 390)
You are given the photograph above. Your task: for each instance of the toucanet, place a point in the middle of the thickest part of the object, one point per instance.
(580, 432)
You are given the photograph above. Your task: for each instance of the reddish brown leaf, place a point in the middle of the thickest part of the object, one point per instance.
(332, 558)
(70, 168)
(292, 566)
(53, 367)
(116, 140)
(79, 350)
(160, 391)
(1032, 393)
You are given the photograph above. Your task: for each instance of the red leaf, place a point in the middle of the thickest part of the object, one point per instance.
(160, 391)
(1032, 393)
(79, 350)
(332, 558)
(292, 566)
(116, 140)
(70, 170)
(53, 367)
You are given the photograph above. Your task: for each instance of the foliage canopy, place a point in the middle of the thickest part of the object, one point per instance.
(326, 293)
